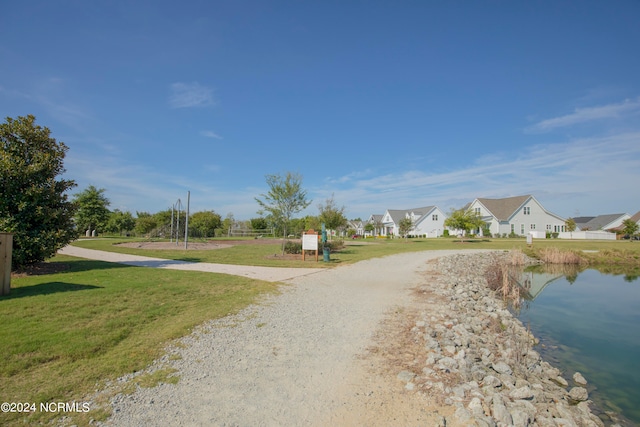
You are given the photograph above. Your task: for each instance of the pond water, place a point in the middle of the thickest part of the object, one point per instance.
(589, 322)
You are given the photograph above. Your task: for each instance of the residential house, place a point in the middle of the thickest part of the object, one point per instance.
(520, 215)
(601, 222)
(376, 221)
(427, 221)
(357, 226)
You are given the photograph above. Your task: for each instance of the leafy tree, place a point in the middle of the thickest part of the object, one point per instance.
(297, 226)
(629, 227)
(405, 226)
(312, 222)
(204, 223)
(285, 198)
(463, 219)
(145, 223)
(229, 222)
(33, 202)
(259, 223)
(93, 212)
(120, 222)
(332, 216)
(571, 226)
(369, 227)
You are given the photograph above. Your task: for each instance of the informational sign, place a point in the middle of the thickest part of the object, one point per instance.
(310, 242)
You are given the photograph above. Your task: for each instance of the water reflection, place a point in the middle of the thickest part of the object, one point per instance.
(587, 320)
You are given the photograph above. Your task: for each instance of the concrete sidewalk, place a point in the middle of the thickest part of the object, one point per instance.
(269, 274)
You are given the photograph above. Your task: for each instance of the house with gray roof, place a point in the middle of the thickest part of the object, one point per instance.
(520, 215)
(427, 221)
(376, 221)
(601, 222)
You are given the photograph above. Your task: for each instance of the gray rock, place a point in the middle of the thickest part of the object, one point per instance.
(578, 394)
(579, 379)
(502, 368)
(522, 393)
(475, 407)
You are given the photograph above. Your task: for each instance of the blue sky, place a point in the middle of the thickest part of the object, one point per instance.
(385, 105)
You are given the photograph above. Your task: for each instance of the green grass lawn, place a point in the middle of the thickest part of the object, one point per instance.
(356, 250)
(63, 334)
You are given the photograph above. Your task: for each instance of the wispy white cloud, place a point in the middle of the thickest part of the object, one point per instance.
(589, 114)
(184, 95)
(210, 134)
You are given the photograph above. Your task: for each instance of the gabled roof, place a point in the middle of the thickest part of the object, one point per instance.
(581, 221)
(398, 215)
(635, 218)
(600, 221)
(502, 209)
(376, 218)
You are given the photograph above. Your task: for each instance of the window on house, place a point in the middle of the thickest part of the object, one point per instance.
(434, 217)
(513, 228)
(521, 228)
(477, 211)
(527, 210)
(549, 227)
(533, 226)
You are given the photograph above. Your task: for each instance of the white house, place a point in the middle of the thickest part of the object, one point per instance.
(601, 227)
(357, 226)
(376, 221)
(600, 222)
(519, 215)
(427, 221)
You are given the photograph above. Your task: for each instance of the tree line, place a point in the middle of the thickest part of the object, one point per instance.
(37, 208)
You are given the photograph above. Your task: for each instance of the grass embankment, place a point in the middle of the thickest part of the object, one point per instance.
(64, 334)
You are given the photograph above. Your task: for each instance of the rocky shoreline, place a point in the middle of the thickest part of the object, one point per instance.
(479, 358)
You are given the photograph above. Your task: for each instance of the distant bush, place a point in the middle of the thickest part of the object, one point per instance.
(293, 247)
(335, 245)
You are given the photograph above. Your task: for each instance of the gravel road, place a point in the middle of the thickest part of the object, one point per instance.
(293, 359)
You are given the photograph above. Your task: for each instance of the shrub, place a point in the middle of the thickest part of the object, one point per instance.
(334, 245)
(293, 247)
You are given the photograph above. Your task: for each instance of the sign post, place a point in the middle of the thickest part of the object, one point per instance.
(310, 242)
(6, 250)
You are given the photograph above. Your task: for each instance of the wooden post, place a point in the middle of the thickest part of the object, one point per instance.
(6, 249)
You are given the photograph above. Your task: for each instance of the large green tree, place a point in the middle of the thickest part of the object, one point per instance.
(204, 224)
(630, 228)
(285, 198)
(332, 215)
(33, 200)
(145, 223)
(405, 226)
(93, 209)
(570, 226)
(120, 222)
(464, 219)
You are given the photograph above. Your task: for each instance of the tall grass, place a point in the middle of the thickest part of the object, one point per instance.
(502, 273)
(552, 255)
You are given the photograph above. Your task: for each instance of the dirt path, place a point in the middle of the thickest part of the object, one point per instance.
(269, 274)
(300, 358)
